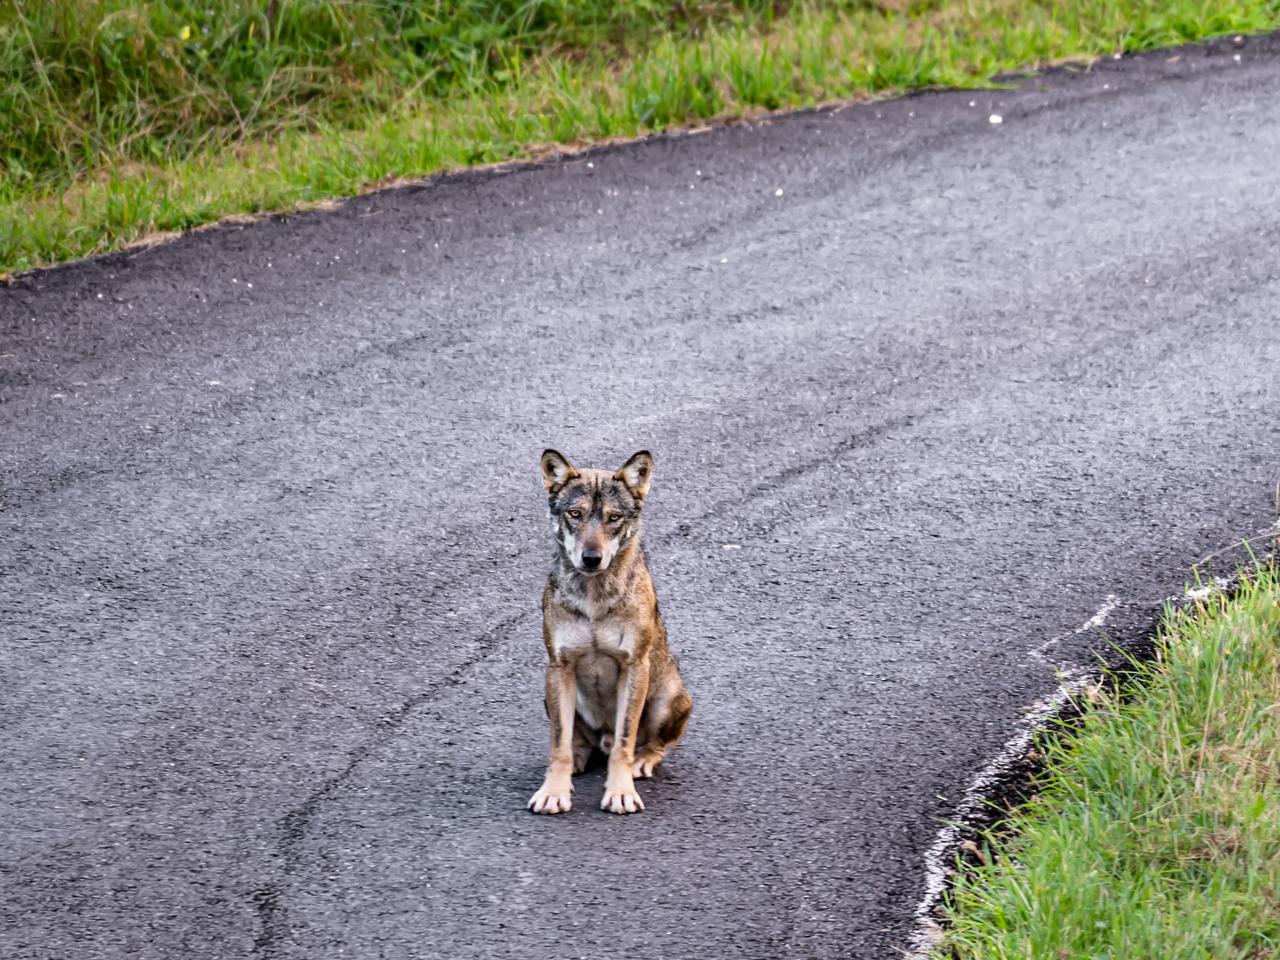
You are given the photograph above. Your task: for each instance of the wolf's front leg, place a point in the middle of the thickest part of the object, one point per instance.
(619, 787)
(557, 788)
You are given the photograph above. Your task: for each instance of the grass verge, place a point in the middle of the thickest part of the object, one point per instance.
(125, 120)
(1156, 829)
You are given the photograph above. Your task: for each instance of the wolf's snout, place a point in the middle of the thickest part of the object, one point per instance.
(591, 559)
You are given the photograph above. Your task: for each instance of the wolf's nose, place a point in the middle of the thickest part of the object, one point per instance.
(590, 559)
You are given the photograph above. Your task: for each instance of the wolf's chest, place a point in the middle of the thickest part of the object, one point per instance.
(582, 638)
(598, 650)
(597, 685)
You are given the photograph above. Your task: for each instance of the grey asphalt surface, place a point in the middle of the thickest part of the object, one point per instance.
(272, 536)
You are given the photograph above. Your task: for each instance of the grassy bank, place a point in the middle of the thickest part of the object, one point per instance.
(121, 120)
(1157, 834)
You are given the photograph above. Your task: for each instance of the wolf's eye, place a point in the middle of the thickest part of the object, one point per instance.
(576, 514)
(615, 517)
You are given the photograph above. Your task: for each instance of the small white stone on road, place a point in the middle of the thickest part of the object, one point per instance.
(778, 192)
(996, 118)
(732, 546)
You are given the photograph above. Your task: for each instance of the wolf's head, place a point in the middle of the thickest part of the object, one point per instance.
(594, 513)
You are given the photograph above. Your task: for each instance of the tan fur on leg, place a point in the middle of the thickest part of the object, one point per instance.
(557, 788)
(620, 794)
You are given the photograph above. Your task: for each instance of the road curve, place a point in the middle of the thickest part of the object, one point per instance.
(923, 388)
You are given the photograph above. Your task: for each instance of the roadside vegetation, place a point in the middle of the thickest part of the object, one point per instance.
(1156, 829)
(124, 119)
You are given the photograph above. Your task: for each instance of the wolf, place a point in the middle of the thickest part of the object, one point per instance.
(612, 683)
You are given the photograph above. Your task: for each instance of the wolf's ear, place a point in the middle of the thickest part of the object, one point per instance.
(556, 470)
(636, 473)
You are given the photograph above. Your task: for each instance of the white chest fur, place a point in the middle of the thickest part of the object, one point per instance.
(598, 650)
(581, 637)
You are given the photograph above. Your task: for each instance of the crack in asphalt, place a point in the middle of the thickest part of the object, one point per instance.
(797, 471)
(232, 406)
(269, 900)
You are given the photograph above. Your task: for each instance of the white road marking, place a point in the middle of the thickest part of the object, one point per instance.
(939, 857)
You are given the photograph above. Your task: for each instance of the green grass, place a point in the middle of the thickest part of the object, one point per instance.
(1157, 832)
(122, 120)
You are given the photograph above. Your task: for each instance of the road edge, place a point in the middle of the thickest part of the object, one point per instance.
(551, 154)
(993, 796)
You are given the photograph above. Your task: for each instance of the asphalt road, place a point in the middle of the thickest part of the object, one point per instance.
(922, 390)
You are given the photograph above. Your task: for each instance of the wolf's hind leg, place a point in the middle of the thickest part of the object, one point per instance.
(584, 742)
(662, 729)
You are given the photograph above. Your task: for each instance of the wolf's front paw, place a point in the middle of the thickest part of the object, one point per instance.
(621, 799)
(553, 797)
